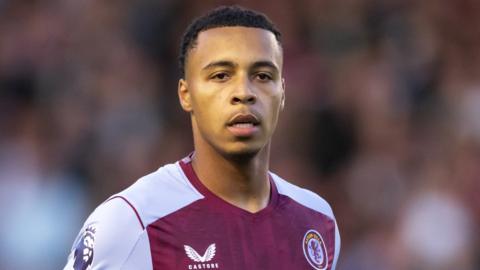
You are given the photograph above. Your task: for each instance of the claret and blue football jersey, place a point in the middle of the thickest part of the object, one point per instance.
(170, 220)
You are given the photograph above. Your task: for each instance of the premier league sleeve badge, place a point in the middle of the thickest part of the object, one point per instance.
(83, 255)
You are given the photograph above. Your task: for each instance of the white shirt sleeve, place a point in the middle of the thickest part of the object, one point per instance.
(337, 246)
(107, 239)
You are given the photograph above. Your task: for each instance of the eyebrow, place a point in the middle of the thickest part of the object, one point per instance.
(230, 64)
(267, 63)
(221, 63)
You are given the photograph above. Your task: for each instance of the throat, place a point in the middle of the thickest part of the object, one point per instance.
(242, 182)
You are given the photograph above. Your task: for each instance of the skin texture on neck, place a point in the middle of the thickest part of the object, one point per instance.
(234, 92)
(241, 181)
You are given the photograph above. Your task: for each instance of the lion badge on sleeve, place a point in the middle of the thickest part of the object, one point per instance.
(84, 250)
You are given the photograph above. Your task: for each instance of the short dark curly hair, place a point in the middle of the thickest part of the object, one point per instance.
(221, 17)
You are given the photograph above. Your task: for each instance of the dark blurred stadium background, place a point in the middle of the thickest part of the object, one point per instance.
(382, 119)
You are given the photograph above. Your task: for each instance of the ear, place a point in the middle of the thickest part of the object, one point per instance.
(282, 104)
(184, 95)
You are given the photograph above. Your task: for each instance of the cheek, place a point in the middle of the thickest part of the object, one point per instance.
(272, 110)
(207, 108)
(275, 103)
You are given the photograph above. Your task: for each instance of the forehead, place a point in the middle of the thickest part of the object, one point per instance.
(238, 44)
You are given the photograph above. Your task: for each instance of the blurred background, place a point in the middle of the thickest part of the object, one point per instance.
(382, 119)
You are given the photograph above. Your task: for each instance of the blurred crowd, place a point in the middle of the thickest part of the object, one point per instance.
(382, 119)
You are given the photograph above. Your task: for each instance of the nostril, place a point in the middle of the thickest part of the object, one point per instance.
(244, 99)
(236, 100)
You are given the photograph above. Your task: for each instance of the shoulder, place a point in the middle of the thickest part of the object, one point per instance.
(302, 196)
(126, 215)
(97, 244)
(312, 201)
(160, 193)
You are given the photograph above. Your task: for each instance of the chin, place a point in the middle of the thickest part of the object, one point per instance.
(241, 152)
(237, 149)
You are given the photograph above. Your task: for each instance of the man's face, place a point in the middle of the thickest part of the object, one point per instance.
(233, 88)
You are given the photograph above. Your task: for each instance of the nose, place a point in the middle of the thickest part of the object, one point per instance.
(243, 94)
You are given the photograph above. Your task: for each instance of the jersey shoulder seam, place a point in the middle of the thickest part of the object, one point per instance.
(293, 192)
(131, 206)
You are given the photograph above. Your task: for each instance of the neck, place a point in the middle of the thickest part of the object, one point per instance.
(239, 180)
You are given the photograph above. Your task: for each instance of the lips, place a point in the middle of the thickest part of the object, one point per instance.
(244, 120)
(243, 125)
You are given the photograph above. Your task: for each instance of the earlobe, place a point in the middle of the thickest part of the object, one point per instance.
(184, 95)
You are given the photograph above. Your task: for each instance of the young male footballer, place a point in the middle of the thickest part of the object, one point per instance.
(220, 207)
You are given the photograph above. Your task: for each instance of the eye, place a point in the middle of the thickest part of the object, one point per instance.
(264, 77)
(220, 76)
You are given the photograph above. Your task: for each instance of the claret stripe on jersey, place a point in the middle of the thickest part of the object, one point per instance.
(133, 208)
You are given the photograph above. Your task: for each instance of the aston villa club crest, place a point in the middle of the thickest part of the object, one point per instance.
(315, 250)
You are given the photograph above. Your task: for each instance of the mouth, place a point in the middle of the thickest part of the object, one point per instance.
(243, 125)
(243, 120)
